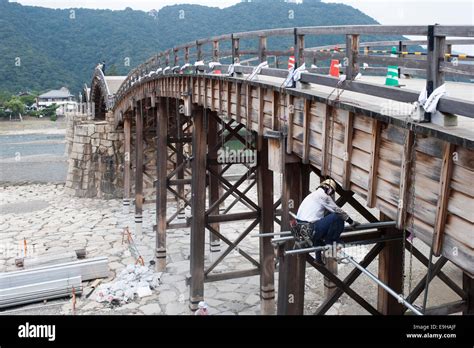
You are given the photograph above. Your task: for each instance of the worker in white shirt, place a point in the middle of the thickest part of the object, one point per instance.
(324, 217)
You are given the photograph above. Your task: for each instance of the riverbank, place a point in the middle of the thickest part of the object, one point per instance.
(33, 151)
(33, 125)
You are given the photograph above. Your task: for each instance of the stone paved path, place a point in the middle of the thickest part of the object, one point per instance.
(51, 221)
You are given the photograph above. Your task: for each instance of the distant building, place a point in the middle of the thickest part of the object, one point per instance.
(61, 97)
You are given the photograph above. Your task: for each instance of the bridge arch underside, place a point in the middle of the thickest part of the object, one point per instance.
(99, 100)
(294, 133)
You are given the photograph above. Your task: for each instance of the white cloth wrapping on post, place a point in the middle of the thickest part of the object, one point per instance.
(231, 69)
(294, 75)
(257, 70)
(432, 101)
(428, 104)
(212, 65)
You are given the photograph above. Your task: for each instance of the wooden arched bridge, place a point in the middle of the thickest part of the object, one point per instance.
(182, 117)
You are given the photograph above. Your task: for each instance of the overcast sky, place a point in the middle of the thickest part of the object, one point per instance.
(385, 11)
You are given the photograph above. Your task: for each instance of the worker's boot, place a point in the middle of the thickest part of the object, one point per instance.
(319, 258)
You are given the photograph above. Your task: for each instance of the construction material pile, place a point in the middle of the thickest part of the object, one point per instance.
(132, 282)
(50, 281)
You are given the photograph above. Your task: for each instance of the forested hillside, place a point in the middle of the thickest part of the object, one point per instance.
(44, 48)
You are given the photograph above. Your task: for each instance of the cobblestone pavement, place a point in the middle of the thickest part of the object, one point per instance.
(51, 221)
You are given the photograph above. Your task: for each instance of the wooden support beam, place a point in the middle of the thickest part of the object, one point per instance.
(468, 286)
(292, 268)
(299, 50)
(306, 130)
(238, 106)
(290, 108)
(186, 55)
(276, 111)
(405, 178)
(352, 44)
(215, 50)
(418, 289)
(198, 209)
(161, 187)
(441, 275)
(229, 98)
(205, 103)
(214, 184)
(390, 272)
(248, 107)
(262, 49)
(220, 88)
(236, 50)
(374, 162)
(447, 309)
(351, 278)
(265, 202)
(261, 114)
(326, 141)
(139, 169)
(341, 285)
(443, 198)
(127, 127)
(348, 134)
(199, 56)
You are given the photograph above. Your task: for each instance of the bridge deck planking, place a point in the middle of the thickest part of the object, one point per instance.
(459, 231)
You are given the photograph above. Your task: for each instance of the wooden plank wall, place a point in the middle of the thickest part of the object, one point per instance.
(368, 157)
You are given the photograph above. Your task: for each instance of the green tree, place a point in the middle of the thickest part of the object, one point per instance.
(28, 100)
(4, 97)
(15, 105)
(50, 111)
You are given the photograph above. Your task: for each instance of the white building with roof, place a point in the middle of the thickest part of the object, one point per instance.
(61, 97)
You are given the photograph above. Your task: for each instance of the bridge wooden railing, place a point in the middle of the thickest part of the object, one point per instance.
(434, 64)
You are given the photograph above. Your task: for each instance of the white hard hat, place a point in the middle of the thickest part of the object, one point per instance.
(202, 304)
(331, 183)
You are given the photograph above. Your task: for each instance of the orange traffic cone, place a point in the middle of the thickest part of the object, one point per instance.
(291, 62)
(334, 69)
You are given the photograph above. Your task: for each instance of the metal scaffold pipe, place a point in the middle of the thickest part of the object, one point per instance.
(399, 297)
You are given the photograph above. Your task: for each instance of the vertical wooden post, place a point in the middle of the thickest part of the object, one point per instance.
(262, 49)
(468, 287)
(390, 272)
(405, 178)
(139, 170)
(442, 206)
(348, 135)
(179, 153)
(329, 286)
(352, 49)
(435, 55)
(292, 269)
(265, 202)
(161, 185)
(299, 49)
(374, 162)
(198, 51)
(186, 55)
(176, 56)
(198, 209)
(214, 185)
(236, 50)
(215, 51)
(127, 127)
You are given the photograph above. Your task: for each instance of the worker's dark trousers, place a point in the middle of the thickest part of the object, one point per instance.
(327, 231)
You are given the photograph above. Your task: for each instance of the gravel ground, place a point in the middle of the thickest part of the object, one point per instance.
(51, 221)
